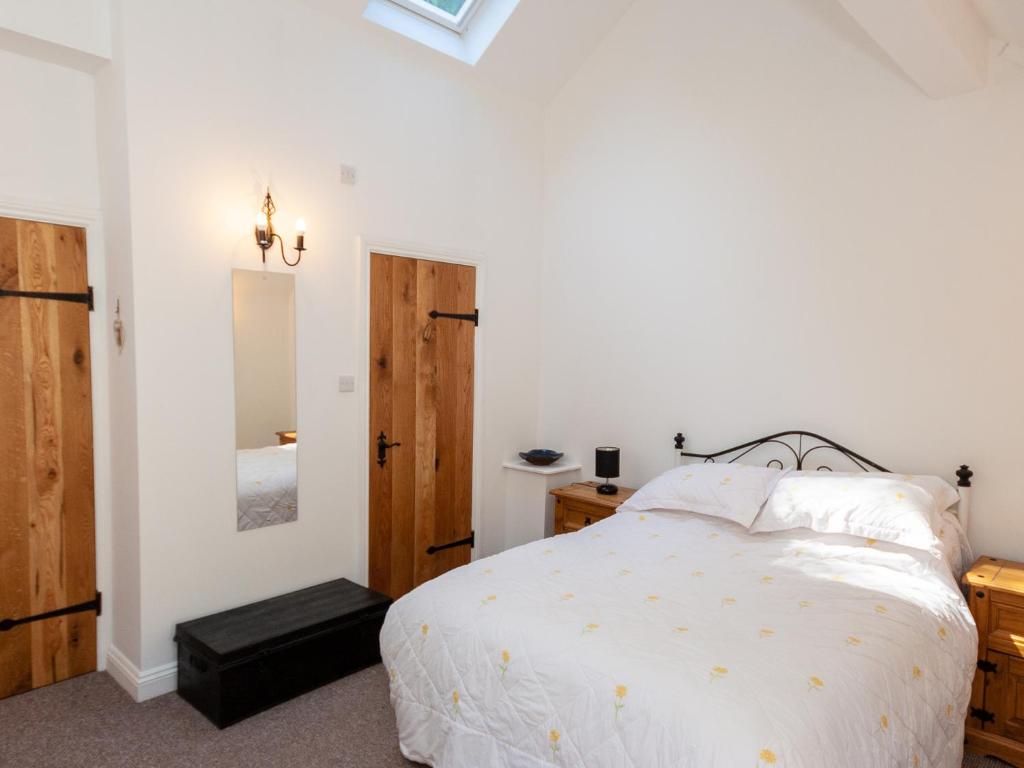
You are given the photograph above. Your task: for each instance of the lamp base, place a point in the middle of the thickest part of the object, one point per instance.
(607, 489)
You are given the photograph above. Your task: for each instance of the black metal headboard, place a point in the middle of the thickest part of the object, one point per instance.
(795, 446)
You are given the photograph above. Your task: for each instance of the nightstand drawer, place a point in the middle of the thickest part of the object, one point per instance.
(1006, 626)
(579, 505)
(581, 515)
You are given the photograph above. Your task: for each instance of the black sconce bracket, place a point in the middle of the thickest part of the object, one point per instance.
(265, 237)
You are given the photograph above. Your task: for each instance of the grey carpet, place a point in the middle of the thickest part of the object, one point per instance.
(89, 722)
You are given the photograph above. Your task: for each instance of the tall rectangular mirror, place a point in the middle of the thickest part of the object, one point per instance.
(266, 441)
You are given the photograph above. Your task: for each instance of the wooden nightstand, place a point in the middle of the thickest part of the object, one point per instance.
(286, 438)
(995, 721)
(578, 505)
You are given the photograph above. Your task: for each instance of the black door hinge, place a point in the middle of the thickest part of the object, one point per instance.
(77, 298)
(987, 666)
(470, 540)
(473, 318)
(982, 714)
(96, 604)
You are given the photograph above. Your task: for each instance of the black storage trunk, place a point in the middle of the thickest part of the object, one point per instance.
(234, 664)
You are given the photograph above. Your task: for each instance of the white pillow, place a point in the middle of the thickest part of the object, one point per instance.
(731, 491)
(944, 494)
(901, 509)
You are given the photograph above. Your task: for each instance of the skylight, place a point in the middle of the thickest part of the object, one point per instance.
(449, 6)
(454, 14)
(459, 28)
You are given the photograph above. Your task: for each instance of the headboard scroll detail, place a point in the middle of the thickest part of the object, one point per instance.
(798, 451)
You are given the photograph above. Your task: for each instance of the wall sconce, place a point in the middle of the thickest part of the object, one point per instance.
(265, 233)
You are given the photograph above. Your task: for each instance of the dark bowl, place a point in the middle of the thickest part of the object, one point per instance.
(541, 456)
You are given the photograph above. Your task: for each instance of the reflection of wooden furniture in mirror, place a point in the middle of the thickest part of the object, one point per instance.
(265, 437)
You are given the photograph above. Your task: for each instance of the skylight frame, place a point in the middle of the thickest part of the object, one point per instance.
(457, 23)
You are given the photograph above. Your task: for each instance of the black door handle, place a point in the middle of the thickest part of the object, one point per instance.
(382, 448)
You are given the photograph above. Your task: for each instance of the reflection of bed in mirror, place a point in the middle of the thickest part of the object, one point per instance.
(266, 486)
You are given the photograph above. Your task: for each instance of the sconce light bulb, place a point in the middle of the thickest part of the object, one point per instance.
(261, 221)
(300, 226)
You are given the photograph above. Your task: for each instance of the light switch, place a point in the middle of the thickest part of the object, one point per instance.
(346, 383)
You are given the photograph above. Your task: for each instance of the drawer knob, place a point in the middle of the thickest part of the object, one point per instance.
(979, 593)
(586, 521)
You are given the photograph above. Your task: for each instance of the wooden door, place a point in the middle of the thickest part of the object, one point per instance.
(47, 536)
(421, 397)
(1004, 696)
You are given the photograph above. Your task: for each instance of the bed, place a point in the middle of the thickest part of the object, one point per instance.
(267, 486)
(675, 639)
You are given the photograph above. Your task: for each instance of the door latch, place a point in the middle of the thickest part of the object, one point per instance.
(382, 448)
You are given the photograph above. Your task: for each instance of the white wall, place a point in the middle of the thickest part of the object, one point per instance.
(264, 321)
(753, 222)
(284, 93)
(113, 151)
(49, 135)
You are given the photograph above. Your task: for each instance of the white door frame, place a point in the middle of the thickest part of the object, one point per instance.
(91, 220)
(412, 251)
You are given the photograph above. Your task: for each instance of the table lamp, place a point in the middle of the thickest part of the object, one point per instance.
(606, 465)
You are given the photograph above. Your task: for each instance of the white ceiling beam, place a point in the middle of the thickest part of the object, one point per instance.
(942, 45)
(69, 33)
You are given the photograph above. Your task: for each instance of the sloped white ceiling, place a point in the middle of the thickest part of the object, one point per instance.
(545, 41)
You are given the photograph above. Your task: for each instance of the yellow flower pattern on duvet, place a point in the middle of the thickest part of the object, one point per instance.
(673, 625)
(620, 699)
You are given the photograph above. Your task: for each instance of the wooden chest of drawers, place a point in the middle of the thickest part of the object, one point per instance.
(579, 505)
(995, 723)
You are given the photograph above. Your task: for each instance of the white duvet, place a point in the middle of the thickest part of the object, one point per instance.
(267, 488)
(671, 639)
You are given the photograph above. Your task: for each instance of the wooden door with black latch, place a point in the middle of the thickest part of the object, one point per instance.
(423, 321)
(48, 598)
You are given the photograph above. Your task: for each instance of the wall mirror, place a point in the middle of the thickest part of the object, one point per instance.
(266, 441)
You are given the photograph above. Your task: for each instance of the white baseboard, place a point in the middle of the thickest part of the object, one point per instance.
(141, 684)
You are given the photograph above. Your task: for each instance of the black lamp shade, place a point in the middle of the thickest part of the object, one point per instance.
(606, 462)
